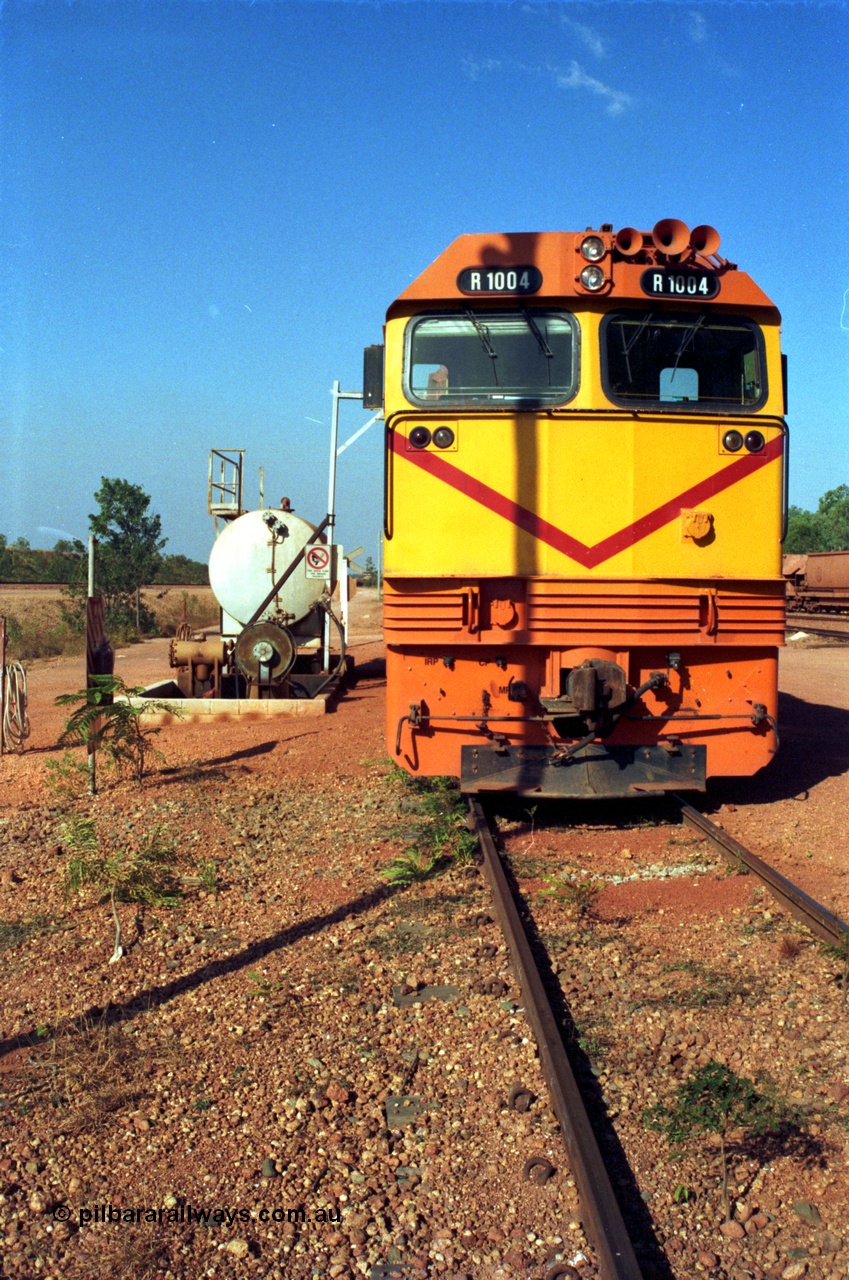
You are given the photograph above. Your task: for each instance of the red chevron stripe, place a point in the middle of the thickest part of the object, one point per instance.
(589, 556)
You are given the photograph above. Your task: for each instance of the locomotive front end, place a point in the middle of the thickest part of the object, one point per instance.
(584, 492)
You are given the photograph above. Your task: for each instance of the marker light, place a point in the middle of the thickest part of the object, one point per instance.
(754, 441)
(443, 437)
(732, 441)
(592, 248)
(419, 437)
(592, 278)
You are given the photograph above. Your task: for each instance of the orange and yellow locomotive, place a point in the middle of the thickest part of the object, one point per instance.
(585, 462)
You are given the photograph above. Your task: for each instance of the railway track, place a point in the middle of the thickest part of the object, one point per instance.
(833, 628)
(603, 1219)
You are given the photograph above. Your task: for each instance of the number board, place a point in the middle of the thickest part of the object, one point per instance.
(499, 280)
(679, 284)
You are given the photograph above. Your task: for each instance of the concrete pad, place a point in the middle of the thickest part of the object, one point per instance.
(215, 710)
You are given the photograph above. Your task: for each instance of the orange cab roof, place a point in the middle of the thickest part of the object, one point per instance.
(557, 257)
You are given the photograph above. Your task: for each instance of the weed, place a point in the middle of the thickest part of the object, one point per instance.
(67, 777)
(578, 895)
(711, 988)
(439, 837)
(590, 1044)
(410, 867)
(713, 1101)
(202, 1104)
(789, 946)
(144, 874)
(681, 1194)
(208, 873)
(263, 985)
(840, 952)
(531, 812)
(94, 1071)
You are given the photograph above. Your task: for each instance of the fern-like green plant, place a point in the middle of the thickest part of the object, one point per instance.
(411, 866)
(106, 717)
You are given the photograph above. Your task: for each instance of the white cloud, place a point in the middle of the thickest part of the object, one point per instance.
(698, 27)
(590, 38)
(576, 78)
(474, 69)
(572, 78)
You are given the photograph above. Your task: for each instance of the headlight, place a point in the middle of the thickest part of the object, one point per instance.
(754, 441)
(732, 441)
(419, 437)
(443, 437)
(592, 248)
(592, 278)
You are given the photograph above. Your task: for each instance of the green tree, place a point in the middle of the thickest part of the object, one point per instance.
(128, 555)
(804, 533)
(833, 512)
(369, 573)
(179, 570)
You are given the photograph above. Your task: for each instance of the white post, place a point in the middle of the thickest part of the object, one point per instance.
(334, 438)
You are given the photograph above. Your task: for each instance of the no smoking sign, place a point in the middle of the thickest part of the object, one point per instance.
(317, 560)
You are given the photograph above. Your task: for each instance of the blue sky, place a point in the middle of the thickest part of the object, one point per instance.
(206, 208)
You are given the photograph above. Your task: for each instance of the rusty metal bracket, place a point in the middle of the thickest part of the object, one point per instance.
(521, 1098)
(538, 1170)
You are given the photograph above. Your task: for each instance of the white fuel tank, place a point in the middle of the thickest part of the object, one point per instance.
(251, 554)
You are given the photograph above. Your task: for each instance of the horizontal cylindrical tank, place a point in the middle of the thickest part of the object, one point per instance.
(251, 554)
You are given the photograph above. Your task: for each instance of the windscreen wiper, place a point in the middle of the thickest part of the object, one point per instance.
(686, 338)
(536, 331)
(628, 347)
(483, 333)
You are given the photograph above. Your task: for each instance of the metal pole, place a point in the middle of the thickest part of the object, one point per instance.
(92, 766)
(334, 437)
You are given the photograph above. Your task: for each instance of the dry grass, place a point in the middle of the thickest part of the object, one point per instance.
(166, 604)
(789, 947)
(35, 625)
(37, 630)
(89, 1073)
(113, 1251)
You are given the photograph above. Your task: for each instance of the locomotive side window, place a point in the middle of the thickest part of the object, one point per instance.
(502, 359)
(692, 361)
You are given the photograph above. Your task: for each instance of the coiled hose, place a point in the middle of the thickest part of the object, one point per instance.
(15, 719)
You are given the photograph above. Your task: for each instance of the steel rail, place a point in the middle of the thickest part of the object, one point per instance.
(827, 926)
(602, 1217)
(830, 633)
